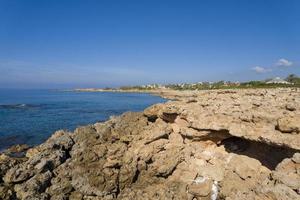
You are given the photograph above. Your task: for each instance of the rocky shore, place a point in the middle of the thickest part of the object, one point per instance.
(222, 144)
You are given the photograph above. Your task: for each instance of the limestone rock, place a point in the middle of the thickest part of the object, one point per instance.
(158, 131)
(244, 166)
(169, 112)
(17, 150)
(296, 158)
(201, 187)
(6, 193)
(7, 162)
(34, 187)
(287, 173)
(217, 144)
(153, 111)
(289, 124)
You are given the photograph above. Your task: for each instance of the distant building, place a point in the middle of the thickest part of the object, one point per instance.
(237, 83)
(277, 80)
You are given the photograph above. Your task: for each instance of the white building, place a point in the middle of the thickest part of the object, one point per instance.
(277, 80)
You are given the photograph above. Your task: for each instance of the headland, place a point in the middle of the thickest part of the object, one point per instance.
(209, 144)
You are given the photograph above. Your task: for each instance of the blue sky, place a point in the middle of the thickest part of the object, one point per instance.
(65, 44)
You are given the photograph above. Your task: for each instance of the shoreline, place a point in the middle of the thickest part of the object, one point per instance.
(197, 143)
(172, 94)
(30, 123)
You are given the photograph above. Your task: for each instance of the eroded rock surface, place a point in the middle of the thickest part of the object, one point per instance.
(224, 144)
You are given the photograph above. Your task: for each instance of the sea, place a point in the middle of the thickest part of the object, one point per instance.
(31, 116)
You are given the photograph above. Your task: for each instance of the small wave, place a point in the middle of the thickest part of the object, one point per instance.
(17, 106)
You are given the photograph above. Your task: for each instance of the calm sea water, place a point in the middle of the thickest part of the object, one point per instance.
(31, 116)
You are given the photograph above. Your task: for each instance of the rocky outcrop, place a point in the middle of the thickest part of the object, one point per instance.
(233, 144)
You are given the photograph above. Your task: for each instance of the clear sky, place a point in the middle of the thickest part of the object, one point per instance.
(65, 44)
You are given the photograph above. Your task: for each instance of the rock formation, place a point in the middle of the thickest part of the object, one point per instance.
(223, 144)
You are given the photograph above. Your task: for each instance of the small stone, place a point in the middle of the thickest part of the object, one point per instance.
(201, 187)
(296, 158)
(290, 107)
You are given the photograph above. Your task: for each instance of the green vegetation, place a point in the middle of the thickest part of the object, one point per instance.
(290, 81)
(292, 78)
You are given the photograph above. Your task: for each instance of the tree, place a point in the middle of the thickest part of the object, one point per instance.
(293, 78)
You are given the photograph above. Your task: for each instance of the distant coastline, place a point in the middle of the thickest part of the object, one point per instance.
(109, 90)
(291, 81)
(163, 93)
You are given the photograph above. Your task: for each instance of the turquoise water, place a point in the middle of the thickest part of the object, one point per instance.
(31, 116)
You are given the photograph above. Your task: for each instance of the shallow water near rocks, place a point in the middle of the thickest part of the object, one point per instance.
(31, 116)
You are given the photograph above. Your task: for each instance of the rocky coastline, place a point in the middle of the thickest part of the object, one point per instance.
(217, 144)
